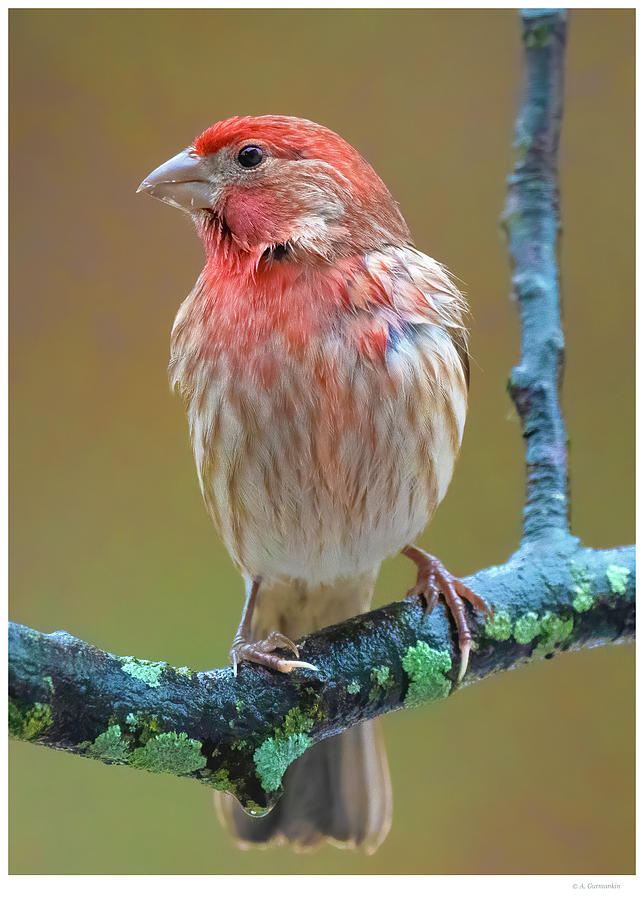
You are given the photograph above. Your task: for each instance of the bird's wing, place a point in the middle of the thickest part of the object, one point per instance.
(401, 296)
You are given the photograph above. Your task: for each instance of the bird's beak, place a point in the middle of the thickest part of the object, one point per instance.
(181, 181)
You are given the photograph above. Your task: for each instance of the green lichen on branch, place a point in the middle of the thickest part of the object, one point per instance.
(220, 780)
(582, 586)
(537, 37)
(550, 629)
(169, 752)
(426, 669)
(554, 630)
(499, 626)
(110, 746)
(273, 757)
(144, 670)
(617, 578)
(140, 747)
(28, 722)
(381, 681)
(526, 628)
(296, 721)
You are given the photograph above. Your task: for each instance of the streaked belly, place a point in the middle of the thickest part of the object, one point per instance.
(327, 470)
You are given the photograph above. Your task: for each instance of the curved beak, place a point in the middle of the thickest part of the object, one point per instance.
(181, 181)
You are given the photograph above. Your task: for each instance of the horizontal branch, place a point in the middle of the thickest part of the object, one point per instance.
(240, 734)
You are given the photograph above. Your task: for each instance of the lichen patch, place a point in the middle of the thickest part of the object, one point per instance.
(169, 752)
(143, 669)
(109, 745)
(426, 669)
(583, 600)
(275, 755)
(499, 627)
(617, 578)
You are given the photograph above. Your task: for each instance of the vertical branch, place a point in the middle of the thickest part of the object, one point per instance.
(532, 224)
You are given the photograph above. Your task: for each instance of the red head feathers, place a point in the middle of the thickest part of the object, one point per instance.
(280, 182)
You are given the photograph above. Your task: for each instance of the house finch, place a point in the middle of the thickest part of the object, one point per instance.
(324, 368)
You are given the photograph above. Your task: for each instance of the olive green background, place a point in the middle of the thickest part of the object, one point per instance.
(528, 772)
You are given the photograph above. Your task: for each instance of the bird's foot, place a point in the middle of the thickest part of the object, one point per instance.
(434, 581)
(261, 652)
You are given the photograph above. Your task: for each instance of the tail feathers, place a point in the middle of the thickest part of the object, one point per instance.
(338, 791)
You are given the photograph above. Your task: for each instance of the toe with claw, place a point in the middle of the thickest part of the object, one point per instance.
(435, 581)
(261, 652)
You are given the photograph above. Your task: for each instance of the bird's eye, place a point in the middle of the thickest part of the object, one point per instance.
(249, 157)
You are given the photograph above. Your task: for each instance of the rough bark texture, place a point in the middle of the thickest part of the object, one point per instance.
(553, 594)
(240, 734)
(532, 225)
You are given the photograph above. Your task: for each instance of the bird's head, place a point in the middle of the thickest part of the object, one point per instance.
(280, 186)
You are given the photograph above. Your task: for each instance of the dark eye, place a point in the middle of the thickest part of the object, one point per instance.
(249, 157)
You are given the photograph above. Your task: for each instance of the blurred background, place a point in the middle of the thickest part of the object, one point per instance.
(528, 772)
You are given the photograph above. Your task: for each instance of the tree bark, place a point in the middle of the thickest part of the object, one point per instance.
(240, 734)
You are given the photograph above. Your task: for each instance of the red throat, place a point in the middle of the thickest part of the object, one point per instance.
(246, 301)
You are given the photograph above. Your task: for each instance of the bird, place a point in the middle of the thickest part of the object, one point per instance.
(323, 363)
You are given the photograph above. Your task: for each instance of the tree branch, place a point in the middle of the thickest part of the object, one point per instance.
(240, 734)
(532, 224)
(553, 594)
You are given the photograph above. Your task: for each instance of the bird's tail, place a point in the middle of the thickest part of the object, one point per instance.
(339, 790)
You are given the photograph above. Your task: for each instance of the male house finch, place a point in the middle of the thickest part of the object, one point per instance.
(323, 363)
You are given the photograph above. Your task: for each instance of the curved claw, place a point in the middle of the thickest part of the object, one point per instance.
(434, 580)
(465, 658)
(287, 665)
(261, 653)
